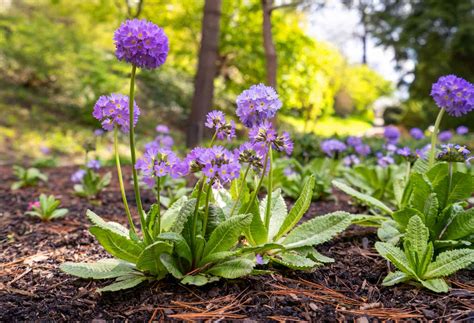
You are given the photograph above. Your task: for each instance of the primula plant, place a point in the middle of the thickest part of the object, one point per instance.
(211, 233)
(88, 182)
(46, 208)
(27, 177)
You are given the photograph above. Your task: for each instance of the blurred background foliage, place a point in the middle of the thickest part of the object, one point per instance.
(57, 58)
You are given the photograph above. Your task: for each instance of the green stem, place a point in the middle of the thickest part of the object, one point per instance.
(434, 137)
(407, 174)
(156, 224)
(196, 209)
(213, 139)
(254, 194)
(241, 190)
(134, 157)
(122, 188)
(270, 190)
(206, 212)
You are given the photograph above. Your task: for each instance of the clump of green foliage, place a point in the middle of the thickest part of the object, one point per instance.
(46, 208)
(27, 177)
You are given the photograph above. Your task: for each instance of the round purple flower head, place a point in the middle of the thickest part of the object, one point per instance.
(266, 135)
(257, 104)
(332, 147)
(351, 160)
(216, 120)
(454, 94)
(141, 43)
(392, 134)
(162, 129)
(253, 154)
(354, 141)
(362, 150)
(78, 175)
(445, 136)
(93, 164)
(384, 161)
(159, 162)
(417, 133)
(462, 130)
(113, 111)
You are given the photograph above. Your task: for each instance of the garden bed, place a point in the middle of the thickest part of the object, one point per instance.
(33, 288)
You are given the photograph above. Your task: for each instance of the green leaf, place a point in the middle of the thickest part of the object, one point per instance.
(116, 244)
(313, 254)
(396, 256)
(107, 225)
(149, 260)
(124, 283)
(198, 280)
(404, 215)
(317, 230)
(59, 213)
(421, 166)
(184, 214)
(256, 233)
(181, 246)
(226, 234)
(461, 187)
(218, 256)
(461, 226)
(368, 220)
(431, 210)
(102, 269)
(170, 216)
(395, 278)
(436, 285)
(278, 212)
(449, 262)
(171, 266)
(232, 269)
(223, 200)
(367, 199)
(417, 235)
(299, 209)
(421, 191)
(294, 261)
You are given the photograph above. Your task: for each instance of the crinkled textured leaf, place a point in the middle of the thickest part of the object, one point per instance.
(417, 235)
(395, 278)
(449, 262)
(149, 260)
(181, 246)
(389, 232)
(171, 266)
(395, 255)
(461, 187)
(184, 214)
(461, 226)
(171, 214)
(125, 283)
(368, 220)
(198, 280)
(421, 191)
(294, 261)
(278, 212)
(117, 245)
(231, 269)
(102, 269)
(108, 225)
(436, 285)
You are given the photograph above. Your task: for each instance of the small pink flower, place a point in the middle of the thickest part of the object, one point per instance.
(34, 204)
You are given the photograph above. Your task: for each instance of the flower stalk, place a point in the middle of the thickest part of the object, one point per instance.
(434, 137)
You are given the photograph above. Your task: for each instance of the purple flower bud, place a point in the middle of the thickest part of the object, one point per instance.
(259, 259)
(462, 130)
(417, 133)
(445, 136)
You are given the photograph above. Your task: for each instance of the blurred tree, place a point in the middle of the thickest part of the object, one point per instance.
(206, 72)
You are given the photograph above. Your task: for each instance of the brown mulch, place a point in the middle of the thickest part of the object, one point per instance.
(33, 288)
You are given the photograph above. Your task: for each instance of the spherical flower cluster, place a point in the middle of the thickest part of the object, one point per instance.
(93, 164)
(407, 154)
(384, 160)
(141, 43)
(363, 150)
(223, 129)
(252, 154)
(445, 136)
(78, 175)
(113, 111)
(218, 164)
(333, 147)
(462, 130)
(351, 160)
(354, 141)
(454, 153)
(417, 133)
(454, 94)
(266, 135)
(163, 140)
(162, 129)
(392, 134)
(257, 104)
(159, 163)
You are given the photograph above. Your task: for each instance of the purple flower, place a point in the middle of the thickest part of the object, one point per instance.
(78, 175)
(93, 164)
(162, 129)
(257, 104)
(454, 94)
(405, 151)
(351, 160)
(288, 172)
(423, 152)
(333, 147)
(98, 132)
(265, 134)
(445, 136)
(113, 110)
(259, 259)
(384, 161)
(224, 130)
(160, 141)
(390, 148)
(453, 153)
(251, 154)
(159, 162)
(392, 134)
(462, 130)
(362, 150)
(417, 133)
(45, 150)
(354, 141)
(141, 43)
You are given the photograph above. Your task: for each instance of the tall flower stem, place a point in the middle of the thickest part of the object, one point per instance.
(122, 188)
(434, 137)
(270, 190)
(156, 223)
(206, 210)
(254, 195)
(133, 155)
(241, 190)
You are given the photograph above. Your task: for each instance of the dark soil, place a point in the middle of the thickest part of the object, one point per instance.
(33, 288)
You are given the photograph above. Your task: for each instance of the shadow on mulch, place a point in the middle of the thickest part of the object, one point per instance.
(33, 288)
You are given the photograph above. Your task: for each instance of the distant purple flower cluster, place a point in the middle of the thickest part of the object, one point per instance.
(445, 136)
(141, 43)
(333, 147)
(159, 162)
(384, 160)
(354, 141)
(392, 134)
(257, 104)
(218, 164)
(223, 129)
(266, 135)
(417, 133)
(163, 140)
(462, 130)
(113, 111)
(363, 149)
(351, 160)
(454, 94)
(78, 175)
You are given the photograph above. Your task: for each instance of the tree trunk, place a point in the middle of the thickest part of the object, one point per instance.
(268, 45)
(206, 72)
